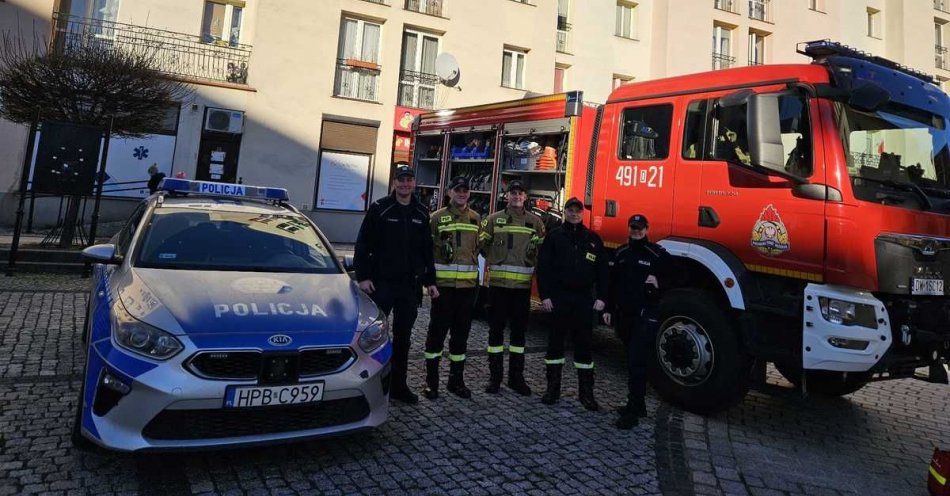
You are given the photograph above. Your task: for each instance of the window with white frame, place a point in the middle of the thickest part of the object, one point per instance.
(626, 21)
(222, 23)
(722, 47)
(874, 23)
(619, 80)
(105, 11)
(357, 73)
(756, 48)
(417, 78)
(512, 68)
(940, 49)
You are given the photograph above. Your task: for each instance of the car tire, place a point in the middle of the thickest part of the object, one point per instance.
(824, 382)
(79, 441)
(697, 361)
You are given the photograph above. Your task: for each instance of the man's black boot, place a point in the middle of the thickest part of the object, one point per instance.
(553, 392)
(496, 368)
(516, 374)
(431, 390)
(456, 380)
(585, 389)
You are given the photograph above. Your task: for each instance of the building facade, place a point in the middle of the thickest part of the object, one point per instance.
(317, 95)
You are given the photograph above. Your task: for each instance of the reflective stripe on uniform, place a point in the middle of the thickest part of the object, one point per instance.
(496, 349)
(515, 229)
(940, 479)
(516, 349)
(484, 236)
(430, 356)
(509, 276)
(556, 361)
(458, 227)
(457, 358)
(584, 365)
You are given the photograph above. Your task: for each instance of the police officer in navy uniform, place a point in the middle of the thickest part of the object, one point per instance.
(572, 282)
(393, 260)
(637, 272)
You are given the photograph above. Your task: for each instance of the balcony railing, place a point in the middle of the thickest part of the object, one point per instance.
(431, 7)
(722, 61)
(176, 54)
(417, 89)
(357, 79)
(564, 39)
(753, 61)
(941, 5)
(940, 53)
(760, 10)
(727, 5)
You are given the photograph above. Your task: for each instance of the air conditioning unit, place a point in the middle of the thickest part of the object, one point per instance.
(224, 121)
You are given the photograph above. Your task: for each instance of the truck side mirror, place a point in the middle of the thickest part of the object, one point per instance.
(765, 132)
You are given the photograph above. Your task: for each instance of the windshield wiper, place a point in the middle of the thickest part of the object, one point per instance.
(904, 185)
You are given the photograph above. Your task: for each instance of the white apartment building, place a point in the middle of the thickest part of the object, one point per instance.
(316, 95)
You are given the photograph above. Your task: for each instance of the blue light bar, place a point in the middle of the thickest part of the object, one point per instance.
(821, 49)
(173, 185)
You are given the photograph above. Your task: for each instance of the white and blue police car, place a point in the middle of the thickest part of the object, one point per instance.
(220, 316)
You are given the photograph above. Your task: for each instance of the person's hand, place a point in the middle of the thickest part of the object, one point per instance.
(598, 305)
(607, 318)
(731, 136)
(652, 280)
(547, 305)
(367, 286)
(433, 292)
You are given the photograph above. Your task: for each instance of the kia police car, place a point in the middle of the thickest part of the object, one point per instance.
(220, 317)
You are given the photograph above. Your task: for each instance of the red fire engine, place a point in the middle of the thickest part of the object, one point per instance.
(807, 206)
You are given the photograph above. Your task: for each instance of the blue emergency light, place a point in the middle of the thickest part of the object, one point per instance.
(207, 188)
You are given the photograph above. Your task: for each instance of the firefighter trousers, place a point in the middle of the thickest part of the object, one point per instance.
(452, 310)
(508, 306)
(573, 315)
(402, 299)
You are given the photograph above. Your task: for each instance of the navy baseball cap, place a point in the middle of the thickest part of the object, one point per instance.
(638, 221)
(459, 182)
(404, 170)
(515, 184)
(573, 202)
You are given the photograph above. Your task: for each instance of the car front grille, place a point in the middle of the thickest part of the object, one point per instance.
(235, 422)
(323, 361)
(248, 365)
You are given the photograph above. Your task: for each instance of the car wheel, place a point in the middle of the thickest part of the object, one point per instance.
(79, 441)
(824, 382)
(697, 360)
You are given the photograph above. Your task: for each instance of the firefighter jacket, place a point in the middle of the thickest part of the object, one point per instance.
(572, 262)
(394, 243)
(509, 240)
(631, 265)
(455, 240)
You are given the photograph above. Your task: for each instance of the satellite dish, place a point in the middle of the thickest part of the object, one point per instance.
(447, 68)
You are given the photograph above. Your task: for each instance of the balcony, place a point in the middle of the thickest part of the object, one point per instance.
(940, 53)
(563, 35)
(722, 61)
(175, 54)
(357, 79)
(727, 5)
(760, 10)
(431, 7)
(942, 5)
(417, 89)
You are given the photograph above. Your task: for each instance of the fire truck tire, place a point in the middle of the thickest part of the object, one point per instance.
(824, 382)
(697, 359)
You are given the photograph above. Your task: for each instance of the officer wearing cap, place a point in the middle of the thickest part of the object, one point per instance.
(393, 258)
(509, 240)
(572, 283)
(637, 272)
(455, 235)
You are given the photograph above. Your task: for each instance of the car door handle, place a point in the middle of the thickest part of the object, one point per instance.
(708, 217)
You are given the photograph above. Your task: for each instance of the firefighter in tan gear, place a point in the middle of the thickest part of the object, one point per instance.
(455, 240)
(509, 240)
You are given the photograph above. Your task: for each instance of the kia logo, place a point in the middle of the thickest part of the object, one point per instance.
(279, 340)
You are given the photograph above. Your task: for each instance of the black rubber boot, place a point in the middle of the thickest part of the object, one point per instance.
(627, 420)
(585, 389)
(516, 374)
(496, 368)
(553, 393)
(457, 382)
(431, 390)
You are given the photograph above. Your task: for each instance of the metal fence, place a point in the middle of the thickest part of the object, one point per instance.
(727, 5)
(941, 5)
(940, 57)
(760, 10)
(174, 53)
(355, 79)
(722, 61)
(417, 89)
(431, 7)
(564, 38)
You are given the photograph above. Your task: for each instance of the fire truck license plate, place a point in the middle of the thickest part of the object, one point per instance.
(927, 287)
(241, 397)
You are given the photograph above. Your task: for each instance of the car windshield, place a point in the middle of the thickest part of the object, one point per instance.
(201, 239)
(897, 156)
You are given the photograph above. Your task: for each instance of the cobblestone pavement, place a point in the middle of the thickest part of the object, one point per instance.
(877, 441)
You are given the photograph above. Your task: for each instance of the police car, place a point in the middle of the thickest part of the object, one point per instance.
(220, 316)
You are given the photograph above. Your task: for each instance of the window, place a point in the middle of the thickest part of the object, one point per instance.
(563, 27)
(816, 5)
(431, 7)
(221, 23)
(940, 50)
(124, 237)
(358, 60)
(756, 48)
(759, 10)
(620, 79)
(105, 11)
(560, 78)
(512, 68)
(721, 47)
(417, 79)
(874, 23)
(626, 22)
(645, 133)
(695, 130)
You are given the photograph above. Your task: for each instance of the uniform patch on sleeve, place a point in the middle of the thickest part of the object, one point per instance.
(591, 257)
(501, 220)
(445, 218)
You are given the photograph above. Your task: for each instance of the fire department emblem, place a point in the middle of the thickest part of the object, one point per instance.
(769, 235)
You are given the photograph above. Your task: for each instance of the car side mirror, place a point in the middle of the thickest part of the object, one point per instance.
(102, 254)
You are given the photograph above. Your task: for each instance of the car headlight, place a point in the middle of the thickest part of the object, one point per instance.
(141, 338)
(371, 325)
(847, 313)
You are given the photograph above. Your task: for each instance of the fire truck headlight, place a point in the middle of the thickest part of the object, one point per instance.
(847, 313)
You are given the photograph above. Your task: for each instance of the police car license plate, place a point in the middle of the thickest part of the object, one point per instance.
(927, 287)
(250, 396)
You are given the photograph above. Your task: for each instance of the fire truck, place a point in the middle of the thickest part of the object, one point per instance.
(806, 206)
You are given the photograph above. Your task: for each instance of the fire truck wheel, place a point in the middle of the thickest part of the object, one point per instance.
(824, 382)
(697, 363)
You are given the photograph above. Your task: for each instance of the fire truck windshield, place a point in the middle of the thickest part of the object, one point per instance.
(897, 156)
